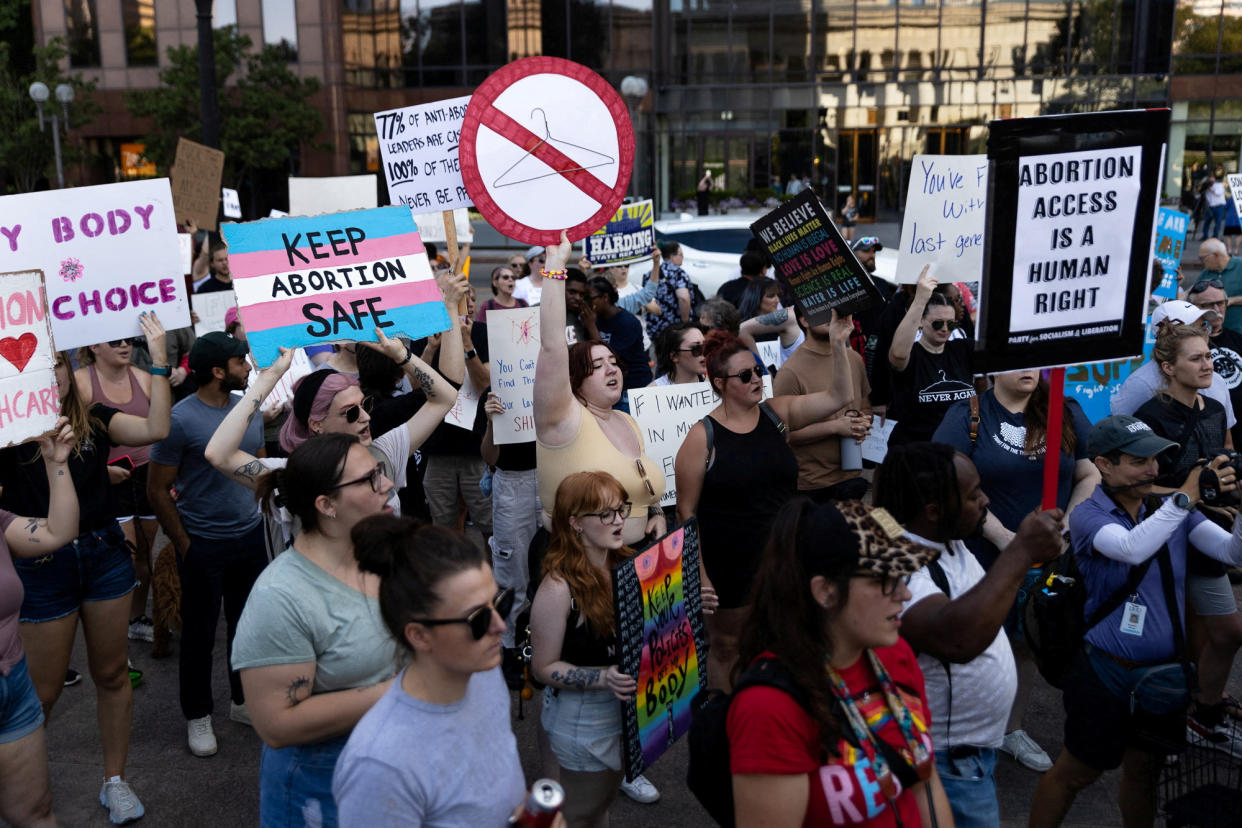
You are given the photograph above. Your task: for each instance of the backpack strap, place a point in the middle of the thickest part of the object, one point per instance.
(711, 441)
(773, 416)
(974, 423)
(1137, 573)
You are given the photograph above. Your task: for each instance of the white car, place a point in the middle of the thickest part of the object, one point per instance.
(712, 247)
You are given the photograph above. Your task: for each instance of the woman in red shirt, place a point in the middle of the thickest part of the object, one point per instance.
(854, 748)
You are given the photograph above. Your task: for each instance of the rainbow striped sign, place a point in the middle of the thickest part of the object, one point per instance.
(339, 276)
(659, 625)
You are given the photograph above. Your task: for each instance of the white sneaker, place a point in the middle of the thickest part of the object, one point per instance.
(1222, 735)
(239, 714)
(640, 790)
(142, 628)
(1023, 748)
(201, 737)
(122, 804)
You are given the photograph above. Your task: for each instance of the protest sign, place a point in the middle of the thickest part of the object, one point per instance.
(431, 226)
(659, 623)
(299, 366)
(211, 309)
(231, 203)
(875, 446)
(628, 237)
(770, 353)
(812, 258)
(196, 177)
(1235, 190)
(332, 194)
(513, 348)
(29, 396)
(108, 253)
(466, 407)
(665, 415)
(1070, 245)
(185, 250)
(546, 146)
(943, 222)
(319, 279)
(418, 148)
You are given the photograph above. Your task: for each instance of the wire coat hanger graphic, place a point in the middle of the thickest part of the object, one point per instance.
(551, 140)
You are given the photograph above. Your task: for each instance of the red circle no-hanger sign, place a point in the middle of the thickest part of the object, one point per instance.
(546, 146)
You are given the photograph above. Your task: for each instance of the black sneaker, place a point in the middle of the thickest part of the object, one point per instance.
(513, 668)
(72, 677)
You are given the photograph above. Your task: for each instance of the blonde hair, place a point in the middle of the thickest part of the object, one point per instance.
(1169, 343)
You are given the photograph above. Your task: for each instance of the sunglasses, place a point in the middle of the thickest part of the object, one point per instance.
(868, 241)
(748, 374)
(610, 515)
(373, 477)
(116, 343)
(354, 412)
(939, 324)
(694, 350)
(480, 620)
(1204, 284)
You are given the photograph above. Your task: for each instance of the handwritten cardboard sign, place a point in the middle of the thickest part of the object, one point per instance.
(513, 348)
(331, 194)
(418, 147)
(944, 218)
(659, 623)
(29, 396)
(196, 176)
(319, 279)
(465, 407)
(665, 414)
(211, 309)
(628, 236)
(813, 259)
(108, 253)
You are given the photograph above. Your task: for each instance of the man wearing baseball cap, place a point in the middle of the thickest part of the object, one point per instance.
(214, 525)
(1132, 556)
(1145, 381)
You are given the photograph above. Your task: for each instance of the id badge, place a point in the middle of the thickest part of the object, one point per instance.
(1133, 615)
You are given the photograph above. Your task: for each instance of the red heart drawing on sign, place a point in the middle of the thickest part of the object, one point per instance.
(19, 351)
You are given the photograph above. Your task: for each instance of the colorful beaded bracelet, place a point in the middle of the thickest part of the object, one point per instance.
(559, 275)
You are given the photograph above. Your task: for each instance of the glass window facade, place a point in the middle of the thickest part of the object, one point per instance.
(280, 26)
(82, 33)
(138, 18)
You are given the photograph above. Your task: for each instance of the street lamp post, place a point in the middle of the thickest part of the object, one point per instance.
(634, 89)
(209, 111)
(39, 93)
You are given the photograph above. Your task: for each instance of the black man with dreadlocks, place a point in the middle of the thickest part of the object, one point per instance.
(955, 614)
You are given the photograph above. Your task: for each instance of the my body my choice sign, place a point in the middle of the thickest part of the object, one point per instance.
(317, 279)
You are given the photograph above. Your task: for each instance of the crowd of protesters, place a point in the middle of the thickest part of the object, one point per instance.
(874, 635)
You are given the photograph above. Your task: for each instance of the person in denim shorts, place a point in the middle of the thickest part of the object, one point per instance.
(91, 577)
(25, 798)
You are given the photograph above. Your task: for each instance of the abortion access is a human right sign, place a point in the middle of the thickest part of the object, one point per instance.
(1070, 242)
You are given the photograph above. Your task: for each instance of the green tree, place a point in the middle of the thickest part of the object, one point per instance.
(265, 109)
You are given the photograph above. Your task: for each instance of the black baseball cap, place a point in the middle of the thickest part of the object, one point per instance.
(216, 348)
(1128, 434)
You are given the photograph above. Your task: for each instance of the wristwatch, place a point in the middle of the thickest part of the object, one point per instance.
(471, 354)
(1182, 501)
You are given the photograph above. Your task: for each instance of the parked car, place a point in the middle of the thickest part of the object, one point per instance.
(711, 246)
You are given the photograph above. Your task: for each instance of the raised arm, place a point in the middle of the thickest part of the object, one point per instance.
(801, 410)
(452, 352)
(903, 338)
(131, 430)
(439, 392)
(30, 536)
(555, 408)
(780, 321)
(224, 448)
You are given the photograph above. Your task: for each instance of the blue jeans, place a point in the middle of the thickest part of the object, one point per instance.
(971, 788)
(1214, 221)
(295, 785)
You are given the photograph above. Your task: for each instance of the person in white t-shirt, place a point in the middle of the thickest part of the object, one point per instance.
(956, 611)
(1214, 201)
(530, 289)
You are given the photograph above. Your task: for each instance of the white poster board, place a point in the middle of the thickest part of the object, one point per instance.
(299, 366)
(466, 407)
(875, 446)
(333, 194)
(185, 248)
(431, 227)
(231, 203)
(29, 396)
(513, 347)
(211, 309)
(665, 415)
(418, 149)
(1235, 190)
(944, 218)
(770, 353)
(107, 253)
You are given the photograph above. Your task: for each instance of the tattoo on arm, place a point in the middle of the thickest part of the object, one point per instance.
(254, 409)
(34, 524)
(776, 317)
(299, 690)
(576, 677)
(250, 471)
(425, 382)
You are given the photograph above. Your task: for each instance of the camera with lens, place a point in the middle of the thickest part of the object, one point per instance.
(1209, 482)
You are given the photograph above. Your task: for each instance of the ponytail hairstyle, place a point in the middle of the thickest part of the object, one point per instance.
(1035, 418)
(314, 468)
(566, 557)
(718, 348)
(411, 560)
(785, 618)
(939, 300)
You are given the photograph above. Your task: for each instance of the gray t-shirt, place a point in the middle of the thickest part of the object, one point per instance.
(210, 504)
(414, 763)
(297, 613)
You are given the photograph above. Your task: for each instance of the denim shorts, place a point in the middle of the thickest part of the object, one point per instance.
(295, 785)
(970, 787)
(584, 728)
(20, 711)
(97, 566)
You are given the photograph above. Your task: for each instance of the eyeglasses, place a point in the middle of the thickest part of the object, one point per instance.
(607, 516)
(889, 584)
(938, 325)
(116, 343)
(480, 620)
(373, 477)
(1204, 284)
(354, 412)
(694, 350)
(746, 375)
(505, 275)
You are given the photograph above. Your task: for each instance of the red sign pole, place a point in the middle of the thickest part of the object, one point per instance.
(1052, 440)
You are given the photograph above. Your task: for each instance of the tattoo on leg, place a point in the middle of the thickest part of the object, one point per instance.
(576, 677)
(250, 471)
(299, 690)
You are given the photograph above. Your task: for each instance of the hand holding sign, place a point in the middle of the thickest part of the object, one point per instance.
(927, 284)
(621, 685)
(153, 332)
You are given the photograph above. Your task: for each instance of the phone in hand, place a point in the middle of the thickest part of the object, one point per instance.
(124, 462)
